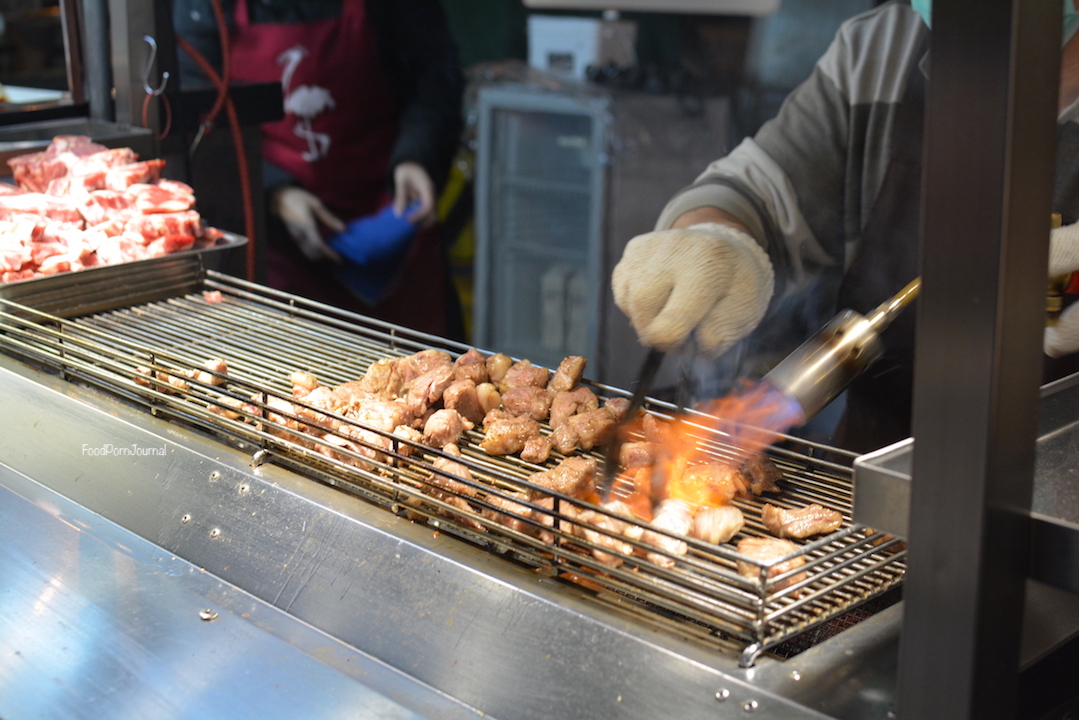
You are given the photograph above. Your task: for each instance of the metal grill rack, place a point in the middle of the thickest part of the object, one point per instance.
(97, 331)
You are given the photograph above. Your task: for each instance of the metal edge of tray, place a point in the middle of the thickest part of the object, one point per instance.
(95, 289)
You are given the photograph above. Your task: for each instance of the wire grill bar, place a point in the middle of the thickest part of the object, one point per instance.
(264, 335)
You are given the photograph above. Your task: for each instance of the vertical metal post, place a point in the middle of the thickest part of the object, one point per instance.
(97, 69)
(129, 21)
(990, 145)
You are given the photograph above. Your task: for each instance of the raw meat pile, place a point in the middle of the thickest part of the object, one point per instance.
(78, 204)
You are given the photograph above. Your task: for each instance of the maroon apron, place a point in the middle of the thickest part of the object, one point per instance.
(337, 136)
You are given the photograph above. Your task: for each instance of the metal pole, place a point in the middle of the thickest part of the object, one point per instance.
(990, 141)
(97, 67)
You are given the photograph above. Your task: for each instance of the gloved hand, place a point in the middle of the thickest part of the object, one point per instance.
(413, 188)
(1063, 338)
(302, 212)
(709, 279)
(374, 238)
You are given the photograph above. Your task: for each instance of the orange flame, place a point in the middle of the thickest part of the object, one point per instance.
(749, 419)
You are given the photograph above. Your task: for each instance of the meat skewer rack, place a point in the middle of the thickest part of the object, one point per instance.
(217, 501)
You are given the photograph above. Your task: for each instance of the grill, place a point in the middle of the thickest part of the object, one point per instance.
(97, 327)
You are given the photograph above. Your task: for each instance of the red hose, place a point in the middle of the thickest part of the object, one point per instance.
(221, 82)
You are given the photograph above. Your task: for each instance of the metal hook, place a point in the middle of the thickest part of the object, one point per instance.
(149, 68)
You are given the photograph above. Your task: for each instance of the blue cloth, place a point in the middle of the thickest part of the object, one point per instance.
(373, 249)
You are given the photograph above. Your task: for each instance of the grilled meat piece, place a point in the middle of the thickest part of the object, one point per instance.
(637, 454)
(591, 525)
(445, 426)
(676, 517)
(227, 407)
(717, 524)
(537, 449)
(802, 523)
(568, 374)
(585, 430)
(513, 515)
(417, 364)
(352, 394)
(427, 389)
(462, 396)
(523, 374)
(302, 383)
(655, 430)
(568, 403)
(508, 436)
(709, 485)
(450, 472)
(471, 366)
(383, 378)
(412, 435)
(214, 365)
(762, 474)
(765, 549)
(617, 407)
(497, 367)
(529, 400)
(575, 476)
(384, 415)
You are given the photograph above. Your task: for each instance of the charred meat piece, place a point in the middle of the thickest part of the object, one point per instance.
(568, 374)
(471, 366)
(445, 426)
(575, 476)
(676, 517)
(302, 383)
(766, 549)
(537, 449)
(427, 389)
(802, 523)
(523, 374)
(568, 403)
(717, 524)
(529, 400)
(709, 485)
(461, 395)
(508, 436)
(762, 474)
(383, 378)
(585, 430)
(497, 367)
(417, 364)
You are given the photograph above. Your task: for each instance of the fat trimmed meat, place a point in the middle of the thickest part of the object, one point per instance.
(801, 522)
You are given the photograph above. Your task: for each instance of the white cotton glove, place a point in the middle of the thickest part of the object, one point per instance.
(302, 212)
(1063, 338)
(413, 186)
(710, 280)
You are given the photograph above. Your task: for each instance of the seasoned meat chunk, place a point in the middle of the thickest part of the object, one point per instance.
(213, 365)
(762, 474)
(708, 485)
(529, 400)
(574, 476)
(417, 364)
(523, 374)
(717, 524)
(568, 374)
(384, 415)
(802, 523)
(568, 403)
(383, 377)
(461, 396)
(445, 426)
(507, 511)
(427, 389)
(607, 533)
(302, 383)
(766, 549)
(637, 454)
(350, 394)
(585, 430)
(508, 436)
(450, 473)
(489, 397)
(537, 449)
(617, 407)
(471, 366)
(412, 435)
